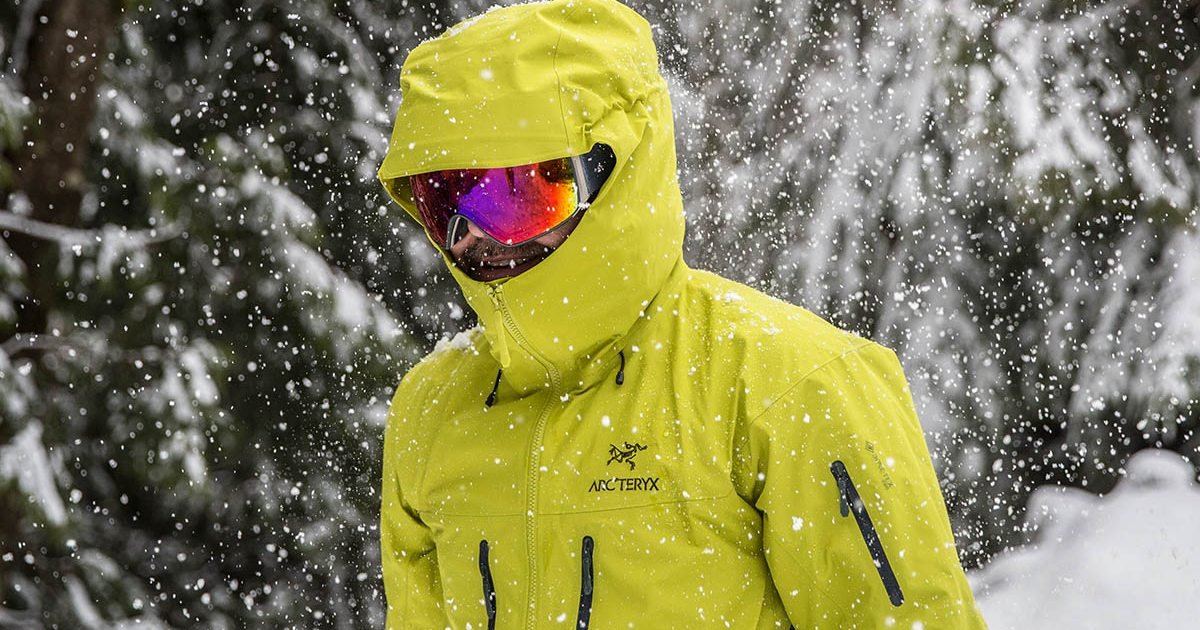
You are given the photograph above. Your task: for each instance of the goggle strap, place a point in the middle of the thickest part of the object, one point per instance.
(583, 183)
(591, 170)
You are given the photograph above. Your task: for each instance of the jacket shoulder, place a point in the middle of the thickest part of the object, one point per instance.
(767, 345)
(762, 323)
(418, 402)
(419, 388)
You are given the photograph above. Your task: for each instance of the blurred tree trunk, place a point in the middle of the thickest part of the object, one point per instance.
(66, 50)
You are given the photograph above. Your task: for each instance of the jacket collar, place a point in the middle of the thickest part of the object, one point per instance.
(542, 341)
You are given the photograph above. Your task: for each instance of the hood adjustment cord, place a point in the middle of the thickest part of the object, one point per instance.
(621, 370)
(491, 399)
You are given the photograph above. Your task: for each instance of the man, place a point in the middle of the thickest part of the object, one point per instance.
(625, 441)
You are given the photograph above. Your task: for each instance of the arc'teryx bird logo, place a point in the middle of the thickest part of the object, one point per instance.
(624, 454)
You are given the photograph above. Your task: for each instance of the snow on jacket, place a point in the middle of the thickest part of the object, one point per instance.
(625, 442)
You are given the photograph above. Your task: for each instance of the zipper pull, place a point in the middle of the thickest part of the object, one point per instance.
(494, 292)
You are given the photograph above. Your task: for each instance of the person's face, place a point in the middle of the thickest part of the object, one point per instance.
(483, 258)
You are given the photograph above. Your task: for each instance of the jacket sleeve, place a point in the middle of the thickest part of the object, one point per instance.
(410, 566)
(855, 530)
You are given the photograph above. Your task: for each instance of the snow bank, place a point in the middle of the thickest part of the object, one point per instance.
(1126, 560)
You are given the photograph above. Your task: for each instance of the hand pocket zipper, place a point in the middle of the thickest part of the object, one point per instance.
(586, 586)
(489, 588)
(585, 593)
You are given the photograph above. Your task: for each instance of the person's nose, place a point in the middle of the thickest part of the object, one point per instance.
(465, 239)
(474, 230)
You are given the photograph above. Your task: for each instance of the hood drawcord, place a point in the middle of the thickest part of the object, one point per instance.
(491, 399)
(621, 370)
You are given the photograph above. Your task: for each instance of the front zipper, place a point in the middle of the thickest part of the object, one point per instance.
(850, 501)
(586, 585)
(489, 588)
(497, 294)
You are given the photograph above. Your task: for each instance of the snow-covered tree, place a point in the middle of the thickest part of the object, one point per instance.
(998, 190)
(206, 306)
(205, 301)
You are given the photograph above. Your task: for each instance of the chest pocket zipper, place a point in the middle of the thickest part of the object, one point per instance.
(586, 585)
(489, 588)
(850, 501)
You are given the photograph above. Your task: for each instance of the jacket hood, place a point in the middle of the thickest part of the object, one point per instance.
(533, 82)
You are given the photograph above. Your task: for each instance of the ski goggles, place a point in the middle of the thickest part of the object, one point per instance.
(513, 205)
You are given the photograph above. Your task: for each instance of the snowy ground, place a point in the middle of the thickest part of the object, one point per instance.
(1127, 560)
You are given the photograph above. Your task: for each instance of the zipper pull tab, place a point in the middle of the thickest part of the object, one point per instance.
(494, 292)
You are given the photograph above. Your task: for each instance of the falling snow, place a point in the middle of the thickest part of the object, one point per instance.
(206, 300)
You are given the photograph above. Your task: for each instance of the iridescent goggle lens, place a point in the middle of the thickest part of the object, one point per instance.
(512, 205)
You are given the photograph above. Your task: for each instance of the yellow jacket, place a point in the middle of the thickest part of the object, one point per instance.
(625, 441)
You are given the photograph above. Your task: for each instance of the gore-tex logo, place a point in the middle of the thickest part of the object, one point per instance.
(624, 453)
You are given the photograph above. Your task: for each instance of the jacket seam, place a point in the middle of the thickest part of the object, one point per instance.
(441, 514)
(626, 106)
(414, 431)
(423, 434)
(642, 506)
(562, 112)
(770, 406)
(804, 379)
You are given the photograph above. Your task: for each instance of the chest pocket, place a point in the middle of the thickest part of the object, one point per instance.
(614, 447)
(477, 464)
(611, 456)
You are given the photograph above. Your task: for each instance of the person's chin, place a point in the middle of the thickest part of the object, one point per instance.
(487, 273)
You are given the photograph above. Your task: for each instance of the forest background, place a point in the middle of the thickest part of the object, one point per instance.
(206, 301)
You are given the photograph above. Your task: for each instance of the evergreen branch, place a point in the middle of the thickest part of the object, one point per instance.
(95, 343)
(75, 236)
(34, 342)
